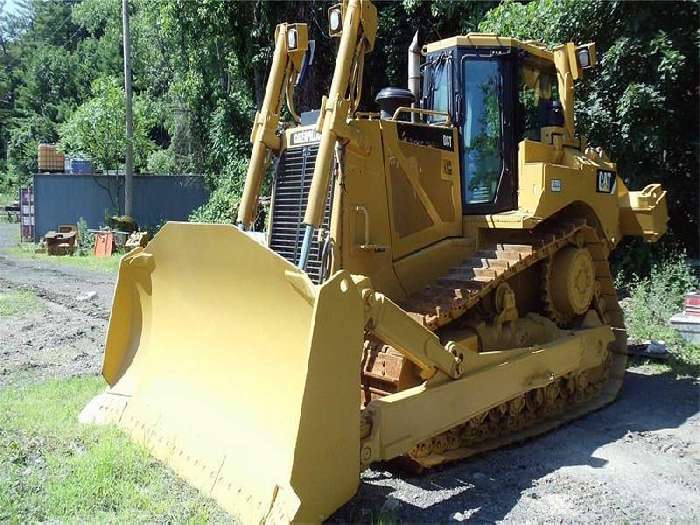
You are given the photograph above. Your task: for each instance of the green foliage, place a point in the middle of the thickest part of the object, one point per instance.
(86, 240)
(640, 104)
(162, 161)
(97, 127)
(22, 147)
(6, 197)
(53, 469)
(40, 81)
(223, 202)
(653, 300)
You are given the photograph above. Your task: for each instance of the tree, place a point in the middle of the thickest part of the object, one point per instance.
(200, 68)
(641, 102)
(97, 127)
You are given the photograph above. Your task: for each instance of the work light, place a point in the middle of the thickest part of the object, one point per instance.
(584, 58)
(292, 39)
(335, 20)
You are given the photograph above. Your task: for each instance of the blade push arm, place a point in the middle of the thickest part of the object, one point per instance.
(291, 43)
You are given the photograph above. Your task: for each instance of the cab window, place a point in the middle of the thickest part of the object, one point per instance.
(538, 101)
(482, 158)
(439, 88)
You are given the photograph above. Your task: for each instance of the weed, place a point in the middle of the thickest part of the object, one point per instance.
(654, 300)
(86, 240)
(54, 469)
(18, 302)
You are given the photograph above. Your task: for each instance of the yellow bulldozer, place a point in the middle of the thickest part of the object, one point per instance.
(435, 282)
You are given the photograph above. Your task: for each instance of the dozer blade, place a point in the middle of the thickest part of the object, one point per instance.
(238, 372)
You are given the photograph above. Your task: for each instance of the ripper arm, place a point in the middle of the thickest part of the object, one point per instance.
(291, 43)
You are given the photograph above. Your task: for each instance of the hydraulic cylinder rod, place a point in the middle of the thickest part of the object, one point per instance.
(287, 60)
(338, 93)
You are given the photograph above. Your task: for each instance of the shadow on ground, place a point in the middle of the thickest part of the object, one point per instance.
(488, 487)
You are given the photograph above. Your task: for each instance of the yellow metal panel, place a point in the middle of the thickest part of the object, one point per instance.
(643, 213)
(423, 189)
(365, 241)
(546, 188)
(512, 220)
(238, 372)
(396, 429)
(417, 270)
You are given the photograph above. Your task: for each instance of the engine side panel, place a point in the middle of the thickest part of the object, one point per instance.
(422, 176)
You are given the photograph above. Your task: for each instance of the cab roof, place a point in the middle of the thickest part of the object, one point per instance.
(490, 40)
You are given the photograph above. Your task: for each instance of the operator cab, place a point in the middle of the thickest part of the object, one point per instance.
(496, 97)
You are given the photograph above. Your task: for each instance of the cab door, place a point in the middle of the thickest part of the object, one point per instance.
(484, 110)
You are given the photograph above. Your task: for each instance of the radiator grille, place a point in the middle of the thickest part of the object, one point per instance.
(293, 180)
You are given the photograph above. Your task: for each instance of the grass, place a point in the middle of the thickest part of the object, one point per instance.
(653, 300)
(7, 197)
(20, 302)
(86, 262)
(53, 469)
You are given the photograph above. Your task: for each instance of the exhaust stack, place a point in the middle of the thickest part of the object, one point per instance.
(414, 55)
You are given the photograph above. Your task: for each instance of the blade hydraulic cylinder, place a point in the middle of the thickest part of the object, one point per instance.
(336, 109)
(286, 64)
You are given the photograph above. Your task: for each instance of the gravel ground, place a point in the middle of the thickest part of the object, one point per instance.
(64, 336)
(636, 460)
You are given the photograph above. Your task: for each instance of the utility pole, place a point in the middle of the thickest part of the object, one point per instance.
(129, 165)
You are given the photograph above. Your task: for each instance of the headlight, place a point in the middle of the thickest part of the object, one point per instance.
(584, 58)
(292, 39)
(335, 20)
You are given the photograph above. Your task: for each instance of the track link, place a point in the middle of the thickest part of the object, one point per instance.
(464, 286)
(460, 291)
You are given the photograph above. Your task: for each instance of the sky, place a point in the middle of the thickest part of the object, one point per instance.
(10, 6)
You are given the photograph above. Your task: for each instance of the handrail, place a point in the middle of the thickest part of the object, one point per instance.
(421, 111)
(367, 115)
(367, 246)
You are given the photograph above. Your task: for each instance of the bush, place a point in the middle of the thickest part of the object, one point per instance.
(86, 240)
(222, 206)
(655, 299)
(97, 130)
(163, 161)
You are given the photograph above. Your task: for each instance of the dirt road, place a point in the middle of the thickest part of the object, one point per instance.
(637, 460)
(62, 330)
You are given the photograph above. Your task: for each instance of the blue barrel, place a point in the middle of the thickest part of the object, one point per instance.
(82, 166)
